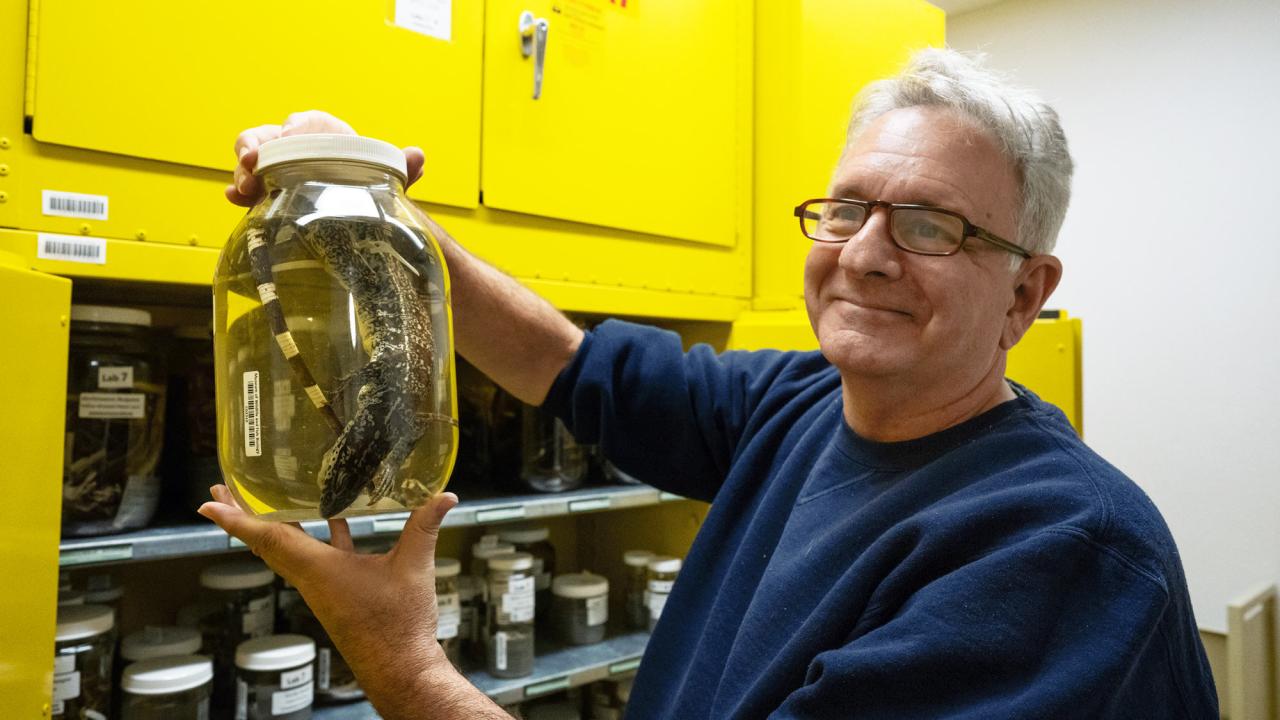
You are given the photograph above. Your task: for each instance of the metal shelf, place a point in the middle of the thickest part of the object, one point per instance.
(554, 671)
(203, 538)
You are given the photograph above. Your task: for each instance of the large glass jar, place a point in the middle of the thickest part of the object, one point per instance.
(115, 422)
(332, 339)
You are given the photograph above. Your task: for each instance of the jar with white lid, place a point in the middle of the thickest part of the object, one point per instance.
(662, 572)
(166, 688)
(481, 552)
(509, 635)
(275, 678)
(637, 564)
(580, 608)
(155, 641)
(535, 540)
(245, 596)
(114, 421)
(333, 344)
(449, 609)
(84, 644)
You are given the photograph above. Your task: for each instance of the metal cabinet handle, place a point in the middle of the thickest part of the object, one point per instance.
(533, 41)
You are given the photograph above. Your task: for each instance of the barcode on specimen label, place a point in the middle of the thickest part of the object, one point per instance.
(71, 248)
(252, 424)
(76, 205)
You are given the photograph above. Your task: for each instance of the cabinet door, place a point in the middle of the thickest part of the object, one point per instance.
(177, 81)
(34, 317)
(640, 121)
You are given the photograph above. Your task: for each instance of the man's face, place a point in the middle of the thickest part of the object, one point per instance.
(881, 312)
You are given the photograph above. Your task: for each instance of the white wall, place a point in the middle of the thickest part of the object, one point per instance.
(1172, 253)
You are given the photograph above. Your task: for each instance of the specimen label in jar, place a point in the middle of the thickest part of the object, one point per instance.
(252, 423)
(113, 406)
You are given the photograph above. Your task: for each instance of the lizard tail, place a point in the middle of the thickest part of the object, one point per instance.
(260, 264)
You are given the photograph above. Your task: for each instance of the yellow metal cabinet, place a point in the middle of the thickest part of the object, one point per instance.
(641, 120)
(35, 314)
(175, 82)
(812, 58)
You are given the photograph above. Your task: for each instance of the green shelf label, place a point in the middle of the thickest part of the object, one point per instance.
(499, 514)
(589, 504)
(548, 686)
(90, 556)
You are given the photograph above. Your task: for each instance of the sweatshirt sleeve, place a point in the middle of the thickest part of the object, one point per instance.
(1054, 627)
(669, 418)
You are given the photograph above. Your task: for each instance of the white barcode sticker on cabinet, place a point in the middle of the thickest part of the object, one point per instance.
(252, 423)
(74, 205)
(71, 248)
(433, 18)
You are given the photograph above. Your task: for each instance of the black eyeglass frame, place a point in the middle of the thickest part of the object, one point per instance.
(970, 230)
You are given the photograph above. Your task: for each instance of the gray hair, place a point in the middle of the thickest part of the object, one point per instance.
(1022, 124)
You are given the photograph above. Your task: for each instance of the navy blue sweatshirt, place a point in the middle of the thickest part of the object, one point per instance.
(996, 569)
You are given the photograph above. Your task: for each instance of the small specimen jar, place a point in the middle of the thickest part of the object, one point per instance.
(275, 678)
(662, 577)
(552, 461)
(163, 688)
(637, 562)
(534, 539)
(245, 598)
(114, 422)
(470, 616)
(580, 608)
(449, 609)
(509, 637)
(334, 678)
(84, 643)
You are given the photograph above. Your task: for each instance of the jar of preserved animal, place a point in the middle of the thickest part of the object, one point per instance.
(333, 345)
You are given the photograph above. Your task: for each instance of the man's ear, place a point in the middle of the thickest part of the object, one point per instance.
(1034, 282)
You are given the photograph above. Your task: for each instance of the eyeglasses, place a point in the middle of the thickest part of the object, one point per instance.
(919, 229)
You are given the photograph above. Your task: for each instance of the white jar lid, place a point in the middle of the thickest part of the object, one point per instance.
(664, 564)
(108, 314)
(165, 675)
(487, 551)
(154, 641)
(447, 567)
(236, 576)
(81, 621)
(70, 597)
(637, 558)
(580, 585)
(524, 534)
(351, 148)
(511, 561)
(275, 652)
(102, 589)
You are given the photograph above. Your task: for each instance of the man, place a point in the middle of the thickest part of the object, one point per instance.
(896, 531)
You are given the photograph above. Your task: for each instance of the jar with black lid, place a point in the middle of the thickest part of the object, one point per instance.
(114, 421)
